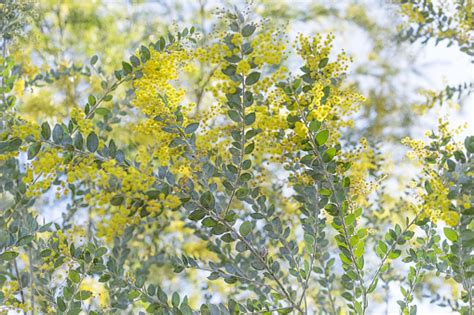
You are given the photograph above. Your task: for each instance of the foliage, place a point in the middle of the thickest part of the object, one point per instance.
(212, 155)
(441, 21)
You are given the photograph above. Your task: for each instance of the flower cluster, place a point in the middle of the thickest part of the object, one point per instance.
(328, 100)
(9, 291)
(435, 200)
(436, 203)
(363, 161)
(85, 125)
(24, 129)
(42, 172)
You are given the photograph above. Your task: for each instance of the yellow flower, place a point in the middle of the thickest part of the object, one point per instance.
(85, 125)
(99, 292)
(300, 129)
(19, 87)
(243, 67)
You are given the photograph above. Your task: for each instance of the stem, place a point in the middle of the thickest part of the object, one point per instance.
(99, 101)
(412, 287)
(245, 278)
(76, 288)
(4, 56)
(22, 295)
(32, 281)
(259, 257)
(332, 302)
(285, 244)
(341, 216)
(151, 298)
(391, 249)
(242, 148)
(305, 284)
(466, 282)
(272, 311)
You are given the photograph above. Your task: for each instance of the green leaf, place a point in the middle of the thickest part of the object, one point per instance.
(134, 61)
(133, 294)
(175, 299)
(8, 255)
(248, 98)
(61, 305)
(191, 128)
(245, 177)
(329, 155)
(102, 111)
(78, 141)
(249, 119)
(101, 251)
(451, 234)
(246, 164)
(207, 200)
(94, 60)
(248, 30)
(46, 253)
(219, 229)
(359, 249)
(232, 168)
(92, 100)
(104, 278)
(197, 215)
(362, 233)
(428, 187)
(74, 276)
(249, 148)
(45, 131)
(451, 165)
(58, 134)
(92, 142)
(323, 62)
(33, 150)
(252, 78)
(395, 254)
(234, 115)
(229, 70)
(107, 97)
(314, 125)
(112, 148)
(358, 307)
(186, 309)
(10, 146)
(24, 240)
(145, 53)
(381, 249)
(322, 137)
(469, 144)
(209, 222)
(127, 68)
(83, 295)
(117, 200)
(309, 242)
(373, 286)
(152, 308)
(242, 192)
(245, 228)
(325, 192)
